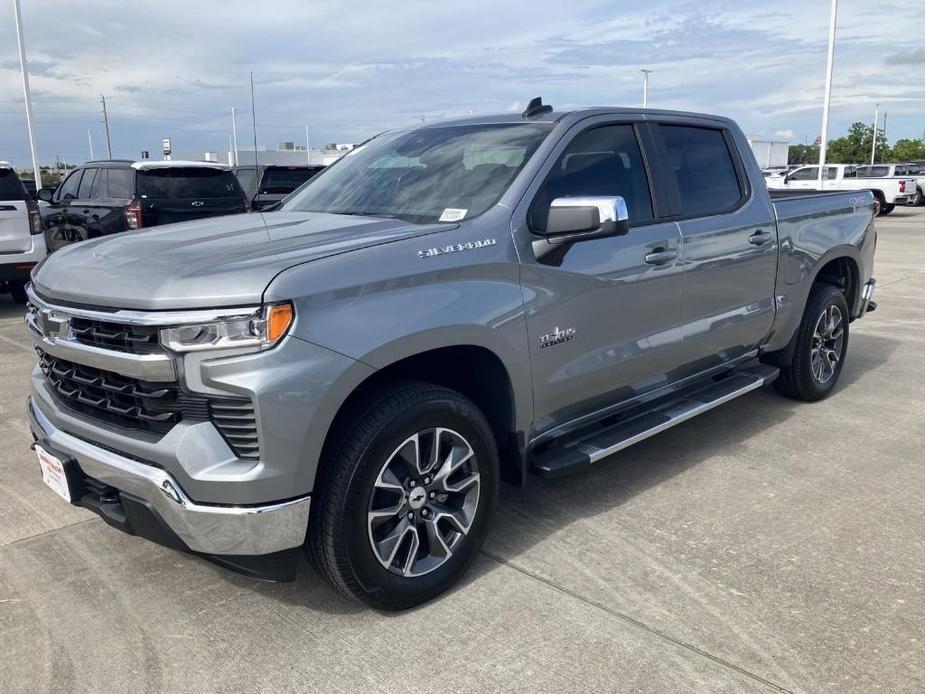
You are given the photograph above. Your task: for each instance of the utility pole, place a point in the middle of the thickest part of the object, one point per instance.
(830, 66)
(27, 95)
(254, 118)
(645, 87)
(234, 133)
(873, 145)
(106, 124)
(308, 148)
(90, 140)
(883, 129)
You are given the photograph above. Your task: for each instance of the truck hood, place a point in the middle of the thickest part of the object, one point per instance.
(223, 261)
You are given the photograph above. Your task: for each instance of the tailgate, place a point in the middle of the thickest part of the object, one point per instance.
(14, 226)
(155, 212)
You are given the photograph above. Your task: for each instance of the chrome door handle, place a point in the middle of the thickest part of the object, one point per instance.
(759, 238)
(660, 256)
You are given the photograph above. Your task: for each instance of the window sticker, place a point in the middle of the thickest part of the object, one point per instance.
(452, 214)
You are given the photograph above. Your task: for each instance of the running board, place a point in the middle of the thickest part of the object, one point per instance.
(589, 447)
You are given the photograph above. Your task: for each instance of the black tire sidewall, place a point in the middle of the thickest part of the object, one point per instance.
(384, 588)
(820, 299)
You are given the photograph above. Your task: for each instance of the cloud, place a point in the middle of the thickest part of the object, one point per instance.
(348, 70)
(916, 57)
(784, 135)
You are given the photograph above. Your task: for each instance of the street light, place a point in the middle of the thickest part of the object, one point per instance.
(645, 87)
(873, 146)
(27, 95)
(830, 65)
(234, 134)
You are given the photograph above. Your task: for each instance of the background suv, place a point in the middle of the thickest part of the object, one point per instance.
(106, 197)
(267, 185)
(21, 241)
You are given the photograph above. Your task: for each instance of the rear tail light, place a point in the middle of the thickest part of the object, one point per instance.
(902, 186)
(133, 215)
(35, 218)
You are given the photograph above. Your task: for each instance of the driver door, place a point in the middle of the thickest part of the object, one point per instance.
(605, 324)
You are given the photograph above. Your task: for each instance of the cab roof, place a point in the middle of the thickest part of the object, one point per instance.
(149, 164)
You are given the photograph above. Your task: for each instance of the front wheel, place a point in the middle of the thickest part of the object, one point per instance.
(821, 345)
(917, 198)
(405, 495)
(886, 208)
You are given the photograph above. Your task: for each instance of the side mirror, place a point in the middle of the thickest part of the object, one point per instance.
(45, 194)
(571, 220)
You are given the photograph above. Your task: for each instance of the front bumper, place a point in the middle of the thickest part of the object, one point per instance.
(212, 529)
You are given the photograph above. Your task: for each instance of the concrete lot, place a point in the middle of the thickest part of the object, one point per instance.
(766, 545)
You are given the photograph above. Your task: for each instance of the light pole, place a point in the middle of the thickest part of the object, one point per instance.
(234, 133)
(645, 87)
(27, 95)
(90, 140)
(830, 65)
(873, 145)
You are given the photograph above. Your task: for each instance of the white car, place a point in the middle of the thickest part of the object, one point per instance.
(889, 192)
(22, 244)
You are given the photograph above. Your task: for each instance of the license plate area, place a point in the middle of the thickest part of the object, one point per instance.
(56, 471)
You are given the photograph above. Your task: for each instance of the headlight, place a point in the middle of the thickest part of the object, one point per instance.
(260, 330)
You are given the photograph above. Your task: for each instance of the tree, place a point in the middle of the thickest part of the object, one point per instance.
(854, 148)
(803, 154)
(908, 150)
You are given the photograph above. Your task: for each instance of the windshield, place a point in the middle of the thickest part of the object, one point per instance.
(434, 174)
(190, 182)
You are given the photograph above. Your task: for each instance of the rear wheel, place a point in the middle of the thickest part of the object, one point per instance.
(405, 495)
(821, 345)
(917, 198)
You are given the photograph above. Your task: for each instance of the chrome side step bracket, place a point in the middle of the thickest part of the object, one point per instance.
(597, 443)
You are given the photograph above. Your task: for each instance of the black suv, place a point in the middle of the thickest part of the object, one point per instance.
(266, 184)
(106, 197)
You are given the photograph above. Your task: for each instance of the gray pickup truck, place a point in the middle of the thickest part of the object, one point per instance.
(447, 307)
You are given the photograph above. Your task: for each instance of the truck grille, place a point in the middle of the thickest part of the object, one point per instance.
(148, 406)
(121, 337)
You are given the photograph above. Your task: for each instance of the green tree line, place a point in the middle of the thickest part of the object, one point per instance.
(854, 148)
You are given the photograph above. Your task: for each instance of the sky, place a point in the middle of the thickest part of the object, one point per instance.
(351, 69)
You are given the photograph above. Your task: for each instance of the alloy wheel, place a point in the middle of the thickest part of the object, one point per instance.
(423, 502)
(828, 344)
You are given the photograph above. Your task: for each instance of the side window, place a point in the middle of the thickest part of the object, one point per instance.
(86, 184)
(810, 173)
(851, 172)
(68, 189)
(99, 185)
(120, 183)
(830, 173)
(703, 168)
(603, 161)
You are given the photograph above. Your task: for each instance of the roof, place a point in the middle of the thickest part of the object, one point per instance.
(5, 165)
(148, 164)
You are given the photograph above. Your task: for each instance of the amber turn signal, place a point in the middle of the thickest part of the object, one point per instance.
(279, 318)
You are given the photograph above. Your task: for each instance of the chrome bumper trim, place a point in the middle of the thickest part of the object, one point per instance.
(145, 367)
(225, 530)
(867, 296)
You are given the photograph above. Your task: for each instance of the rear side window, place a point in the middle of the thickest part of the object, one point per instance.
(68, 189)
(120, 183)
(703, 168)
(86, 184)
(284, 181)
(604, 161)
(10, 186)
(168, 184)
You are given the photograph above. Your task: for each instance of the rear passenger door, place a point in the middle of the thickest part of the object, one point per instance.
(728, 244)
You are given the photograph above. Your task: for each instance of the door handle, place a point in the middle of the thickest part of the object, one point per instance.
(759, 238)
(660, 256)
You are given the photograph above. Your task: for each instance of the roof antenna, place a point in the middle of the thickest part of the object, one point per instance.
(536, 108)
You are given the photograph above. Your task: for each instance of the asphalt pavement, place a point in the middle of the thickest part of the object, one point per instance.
(764, 546)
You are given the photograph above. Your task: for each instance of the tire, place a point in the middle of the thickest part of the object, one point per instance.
(917, 199)
(352, 515)
(807, 376)
(885, 209)
(18, 294)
